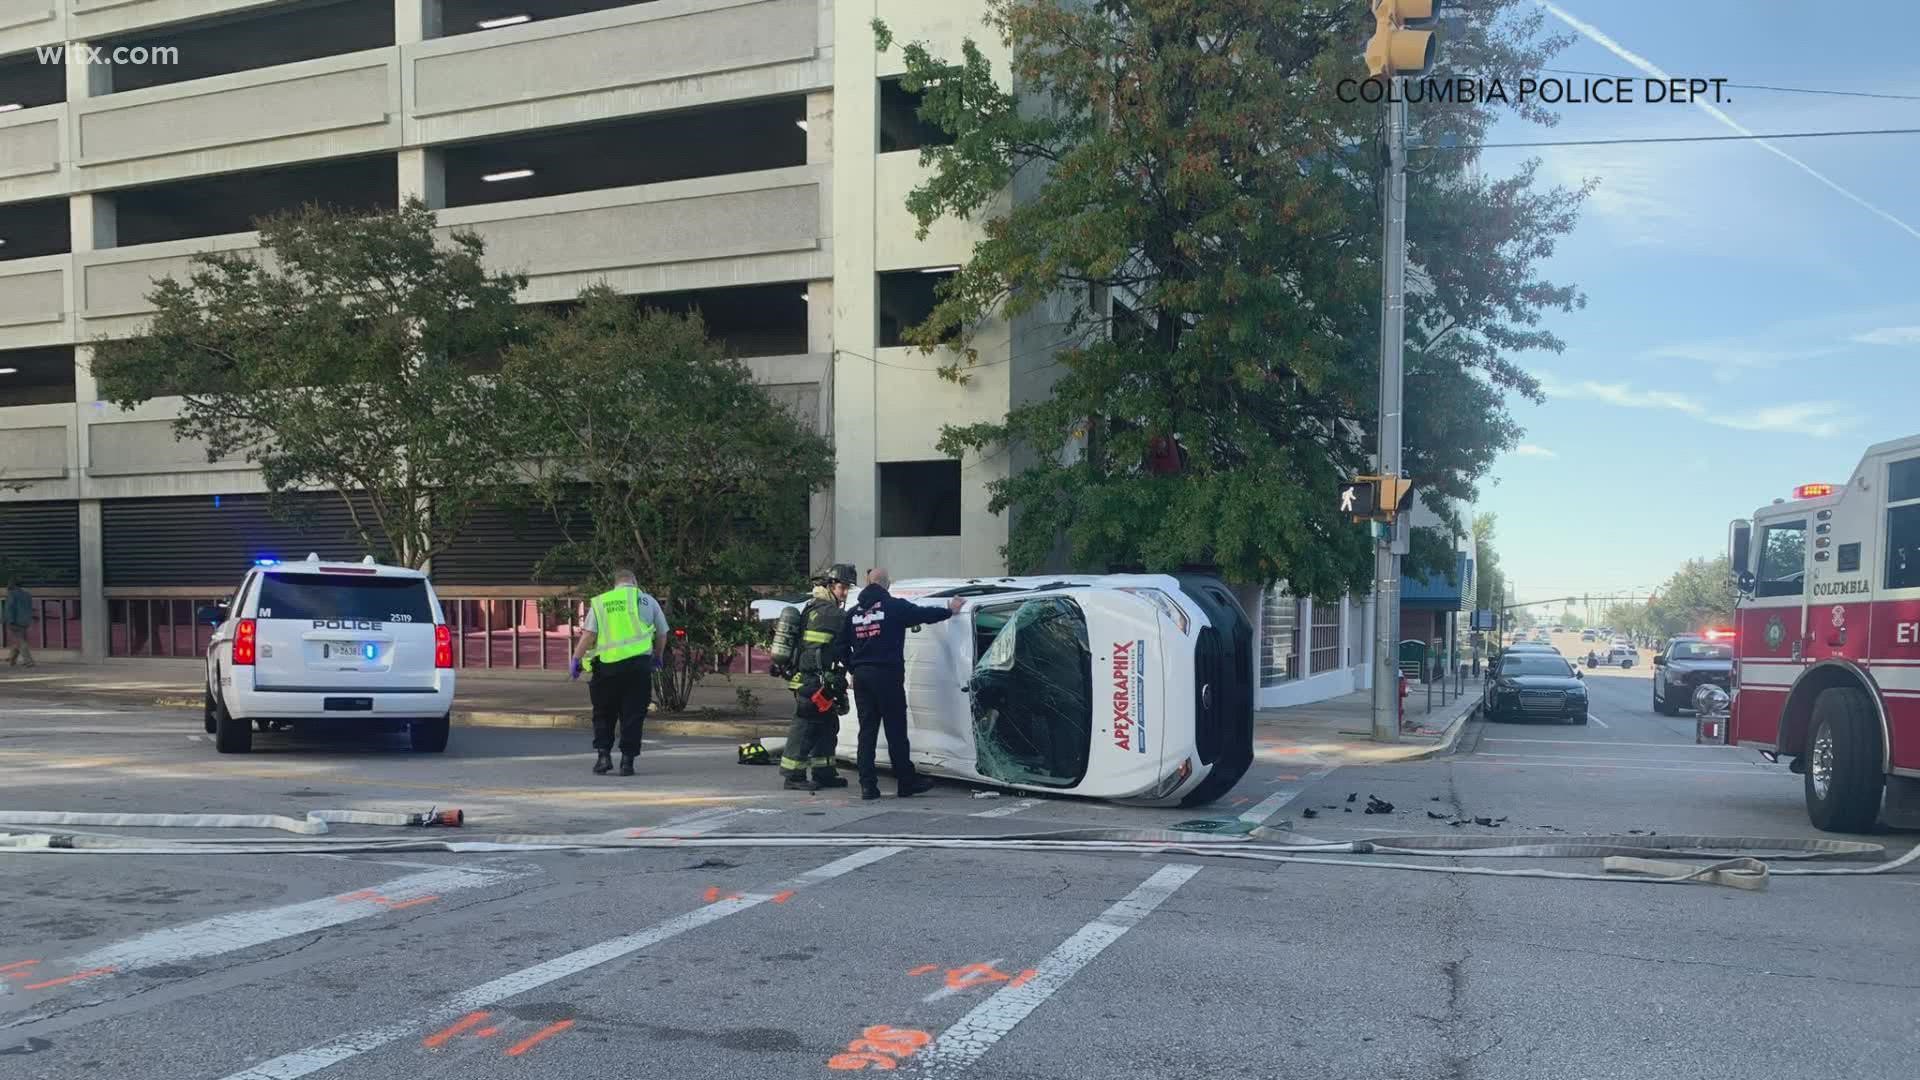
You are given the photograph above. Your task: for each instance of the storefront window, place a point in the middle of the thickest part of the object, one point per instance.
(1279, 639)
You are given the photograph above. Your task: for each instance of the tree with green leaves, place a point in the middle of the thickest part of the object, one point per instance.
(1699, 595)
(1195, 218)
(341, 355)
(663, 455)
(1490, 583)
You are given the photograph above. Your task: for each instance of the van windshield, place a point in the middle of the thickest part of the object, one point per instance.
(344, 596)
(1033, 694)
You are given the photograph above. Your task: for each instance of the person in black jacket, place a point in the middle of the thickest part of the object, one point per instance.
(875, 636)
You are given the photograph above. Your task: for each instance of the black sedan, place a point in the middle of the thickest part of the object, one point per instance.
(1535, 685)
(1687, 665)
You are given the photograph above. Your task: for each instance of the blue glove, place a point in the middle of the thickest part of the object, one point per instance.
(574, 670)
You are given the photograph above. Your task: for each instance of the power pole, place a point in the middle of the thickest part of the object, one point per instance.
(1395, 49)
(1386, 561)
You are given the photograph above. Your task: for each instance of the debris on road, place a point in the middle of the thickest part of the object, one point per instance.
(986, 794)
(1377, 805)
(1309, 812)
(1352, 795)
(1436, 815)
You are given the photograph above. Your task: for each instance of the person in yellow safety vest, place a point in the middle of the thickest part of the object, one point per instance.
(819, 679)
(620, 646)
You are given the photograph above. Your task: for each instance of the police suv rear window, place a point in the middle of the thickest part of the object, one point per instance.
(340, 596)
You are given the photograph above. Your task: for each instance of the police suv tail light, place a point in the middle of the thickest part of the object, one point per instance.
(442, 646)
(245, 639)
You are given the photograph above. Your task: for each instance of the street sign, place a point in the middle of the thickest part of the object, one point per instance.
(1484, 619)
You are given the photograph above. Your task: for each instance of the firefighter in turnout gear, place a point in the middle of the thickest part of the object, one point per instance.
(818, 680)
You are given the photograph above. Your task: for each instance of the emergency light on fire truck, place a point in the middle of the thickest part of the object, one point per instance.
(1812, 491)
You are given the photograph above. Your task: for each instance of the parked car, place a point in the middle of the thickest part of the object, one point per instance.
(1622, 655)
(1688, 664)
(1535, 685)
(1586, 635)
(317, 644)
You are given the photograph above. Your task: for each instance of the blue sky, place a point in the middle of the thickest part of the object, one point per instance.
(1748, 328)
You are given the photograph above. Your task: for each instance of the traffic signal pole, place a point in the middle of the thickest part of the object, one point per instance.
(1386, 561)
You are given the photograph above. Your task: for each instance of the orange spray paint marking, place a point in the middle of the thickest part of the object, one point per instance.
(972, 975)
(363, 894)
(17, 965)
(879, 1047)
(923, 969)
(391, 906)
(856, 1062)
(440, 1038)
(65, 979)
(486, 1033)
(713, 893)
(782, 896)
(538, 1037)
(1288, 776)
(1023, 978)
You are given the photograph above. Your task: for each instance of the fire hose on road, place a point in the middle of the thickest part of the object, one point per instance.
(1737, 862)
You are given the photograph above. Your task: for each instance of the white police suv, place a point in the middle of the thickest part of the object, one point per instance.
(314, 643)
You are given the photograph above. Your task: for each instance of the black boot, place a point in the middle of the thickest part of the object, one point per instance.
(828, 779)
(869, 792)
(915, 785)
(799, 782)
(626, 764)
(603, 762)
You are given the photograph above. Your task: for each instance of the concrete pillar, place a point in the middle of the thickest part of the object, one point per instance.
(93, 582)
(820, 552)
(416, 20)
(423, 175)
(855, 103)
(86, 80)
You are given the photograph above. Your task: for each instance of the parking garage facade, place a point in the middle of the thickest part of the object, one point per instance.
(746, 159)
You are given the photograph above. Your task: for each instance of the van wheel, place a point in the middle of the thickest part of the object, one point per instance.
(1843, 777)
(429, 736)
(209, 710)
(230, 736)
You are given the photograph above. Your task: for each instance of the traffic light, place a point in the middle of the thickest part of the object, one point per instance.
(1398, 45)
(1374, 498)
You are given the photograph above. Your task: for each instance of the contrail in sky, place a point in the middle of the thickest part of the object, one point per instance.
(1599, 37)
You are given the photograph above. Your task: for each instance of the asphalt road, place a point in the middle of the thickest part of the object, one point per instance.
(767, 962)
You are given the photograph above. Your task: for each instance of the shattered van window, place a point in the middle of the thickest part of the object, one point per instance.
(1033, 696)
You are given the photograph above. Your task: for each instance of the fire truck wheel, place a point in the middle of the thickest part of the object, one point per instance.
(1843, 778)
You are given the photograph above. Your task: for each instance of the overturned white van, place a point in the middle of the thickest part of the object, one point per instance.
(1131, 687)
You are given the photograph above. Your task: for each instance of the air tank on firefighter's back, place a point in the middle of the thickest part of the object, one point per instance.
(786, 639)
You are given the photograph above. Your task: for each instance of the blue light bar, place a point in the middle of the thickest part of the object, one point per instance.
(266, 562)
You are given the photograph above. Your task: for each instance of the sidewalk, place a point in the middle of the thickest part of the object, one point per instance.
(482, 698)
(1335, 731)
(1338, 731)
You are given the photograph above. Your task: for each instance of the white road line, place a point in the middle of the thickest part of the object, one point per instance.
(1628, 759)
(244, 929)
(1007, 810)
(1635, 768)
(1610, 744)
(1261, 811)
(324, 1055)
(1599, 721)
(987, 1023)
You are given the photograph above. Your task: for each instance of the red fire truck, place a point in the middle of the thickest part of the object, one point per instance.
(1826, 666)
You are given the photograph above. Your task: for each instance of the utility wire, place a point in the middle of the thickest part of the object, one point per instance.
(1756, 137)
(1752, 86)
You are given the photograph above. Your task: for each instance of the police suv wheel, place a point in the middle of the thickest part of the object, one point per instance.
(430, 736)
(1663, 706)
(1843, 778)
(230, 736)
(208, 709)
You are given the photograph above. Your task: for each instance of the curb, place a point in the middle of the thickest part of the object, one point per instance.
(655, 724)
(1450, 739)
(492, 718)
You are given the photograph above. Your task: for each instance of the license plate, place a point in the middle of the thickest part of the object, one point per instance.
(342, 649)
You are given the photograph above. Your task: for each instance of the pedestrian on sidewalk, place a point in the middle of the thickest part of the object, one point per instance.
(876, 638)
(19, 617)
(620, 647)
(819, 685)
